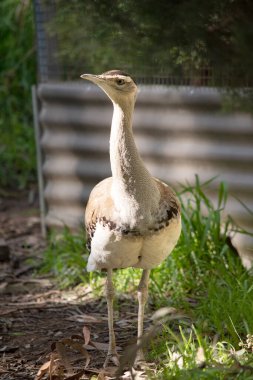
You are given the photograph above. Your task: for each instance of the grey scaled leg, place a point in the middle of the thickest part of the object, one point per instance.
(142, 299)
(112, 354)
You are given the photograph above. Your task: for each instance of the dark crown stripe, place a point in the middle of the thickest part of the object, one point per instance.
(118, 72)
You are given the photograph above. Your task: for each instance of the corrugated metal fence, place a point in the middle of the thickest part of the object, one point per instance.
(179, 131)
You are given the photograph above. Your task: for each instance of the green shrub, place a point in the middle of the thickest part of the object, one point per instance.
(17, 74)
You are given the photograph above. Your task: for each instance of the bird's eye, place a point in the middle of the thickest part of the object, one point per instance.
(120, 82)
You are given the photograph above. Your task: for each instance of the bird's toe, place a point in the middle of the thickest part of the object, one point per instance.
(112, 357)
(140, 362)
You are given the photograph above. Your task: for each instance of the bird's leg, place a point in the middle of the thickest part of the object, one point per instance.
(109, 292)
(142, 299)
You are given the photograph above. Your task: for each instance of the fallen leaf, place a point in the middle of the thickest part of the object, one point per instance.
(74, 345)
(3, 371)
(85, 318)
(200, 356)
(53, 367)
(163, 312)
(124, 323)
(43, 370)
(9, 348)
(86, 335)
(102, 346)
(136, 375)
(7, 310)
(60, 348)
(76, 376)
(76, 336)
(106, 374)
(56, 369)
(3, 286)
(101, 375)
(240, 352)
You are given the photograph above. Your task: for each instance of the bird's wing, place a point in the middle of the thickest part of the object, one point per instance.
(169, 203)
(100, 207)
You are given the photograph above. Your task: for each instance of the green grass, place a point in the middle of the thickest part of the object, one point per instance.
(190, 355)
(66, 258)
(203, 280)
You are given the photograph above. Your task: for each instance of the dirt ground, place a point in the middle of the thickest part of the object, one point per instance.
(46, 333)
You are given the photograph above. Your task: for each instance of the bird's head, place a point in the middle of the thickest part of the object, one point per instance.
(118, 85)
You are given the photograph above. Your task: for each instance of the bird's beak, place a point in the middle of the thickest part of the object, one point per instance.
(93, 78)
(99, 81)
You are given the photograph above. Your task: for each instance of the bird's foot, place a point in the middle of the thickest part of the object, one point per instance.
(140, 362)
(112, 357)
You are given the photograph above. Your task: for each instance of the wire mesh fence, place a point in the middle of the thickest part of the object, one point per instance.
(76, 36)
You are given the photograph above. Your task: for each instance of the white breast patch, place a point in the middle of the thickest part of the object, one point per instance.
(112, 250)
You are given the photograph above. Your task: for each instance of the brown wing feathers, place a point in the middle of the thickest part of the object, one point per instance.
(100, 207)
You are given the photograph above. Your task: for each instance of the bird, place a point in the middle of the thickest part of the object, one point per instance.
(132, 219)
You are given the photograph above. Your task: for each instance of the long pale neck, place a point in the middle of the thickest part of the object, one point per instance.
(130, 177)
(125, 159)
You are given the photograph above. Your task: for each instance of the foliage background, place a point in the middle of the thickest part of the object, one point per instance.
(17, 74)
(157, 38)
(190, 39)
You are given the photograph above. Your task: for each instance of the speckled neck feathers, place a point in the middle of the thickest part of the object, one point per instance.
(134, 192)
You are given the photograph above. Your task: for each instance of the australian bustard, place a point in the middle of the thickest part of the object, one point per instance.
(132, 219)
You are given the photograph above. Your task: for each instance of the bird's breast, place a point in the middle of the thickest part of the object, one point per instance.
(115, 247)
